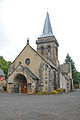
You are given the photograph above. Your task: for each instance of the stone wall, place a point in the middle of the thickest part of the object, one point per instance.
(65, 83)
(46, 75)
(45, 42)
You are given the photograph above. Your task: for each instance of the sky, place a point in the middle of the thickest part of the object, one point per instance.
(22, 19)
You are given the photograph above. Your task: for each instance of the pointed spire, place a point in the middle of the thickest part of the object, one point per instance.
(47, 30)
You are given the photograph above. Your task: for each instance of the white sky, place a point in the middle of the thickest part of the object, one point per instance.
(22, 19)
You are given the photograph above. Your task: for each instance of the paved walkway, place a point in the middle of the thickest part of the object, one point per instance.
(40, 107)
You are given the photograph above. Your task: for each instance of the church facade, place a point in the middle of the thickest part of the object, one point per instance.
(34, 71)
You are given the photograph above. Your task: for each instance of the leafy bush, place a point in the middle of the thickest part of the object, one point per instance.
(55, 92)
(4, 65)
(60, 90)
(47, 93)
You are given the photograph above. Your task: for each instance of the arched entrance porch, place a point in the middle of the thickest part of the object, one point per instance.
(20, 84)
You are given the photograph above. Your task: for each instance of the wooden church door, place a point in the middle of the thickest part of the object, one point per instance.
(25, 87)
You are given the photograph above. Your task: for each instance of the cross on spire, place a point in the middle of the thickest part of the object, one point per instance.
(27, 41)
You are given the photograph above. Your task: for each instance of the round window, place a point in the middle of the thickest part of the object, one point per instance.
(27, 61)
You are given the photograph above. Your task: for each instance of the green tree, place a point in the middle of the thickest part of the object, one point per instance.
(4, 65)
(77, 78)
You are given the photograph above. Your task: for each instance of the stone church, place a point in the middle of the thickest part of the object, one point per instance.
(34, 71)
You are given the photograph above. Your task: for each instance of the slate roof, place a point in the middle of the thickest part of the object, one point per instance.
(1, 73)
(47, 30)
(30, 73)
(65, 68)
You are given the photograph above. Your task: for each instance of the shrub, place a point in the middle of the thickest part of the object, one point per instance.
(39, 93)
(55, 92)
(60, 90)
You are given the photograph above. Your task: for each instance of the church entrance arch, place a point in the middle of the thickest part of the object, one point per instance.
(20, 84)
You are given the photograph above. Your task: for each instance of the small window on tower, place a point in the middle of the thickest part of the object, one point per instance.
(42, 50)
(49, 49)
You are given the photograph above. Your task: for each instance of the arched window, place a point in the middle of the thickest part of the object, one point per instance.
(49, 50)
(42, 50)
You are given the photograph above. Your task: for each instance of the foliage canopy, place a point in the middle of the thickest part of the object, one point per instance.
(4, 65)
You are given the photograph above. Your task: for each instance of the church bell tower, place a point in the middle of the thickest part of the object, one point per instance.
(47, 44)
